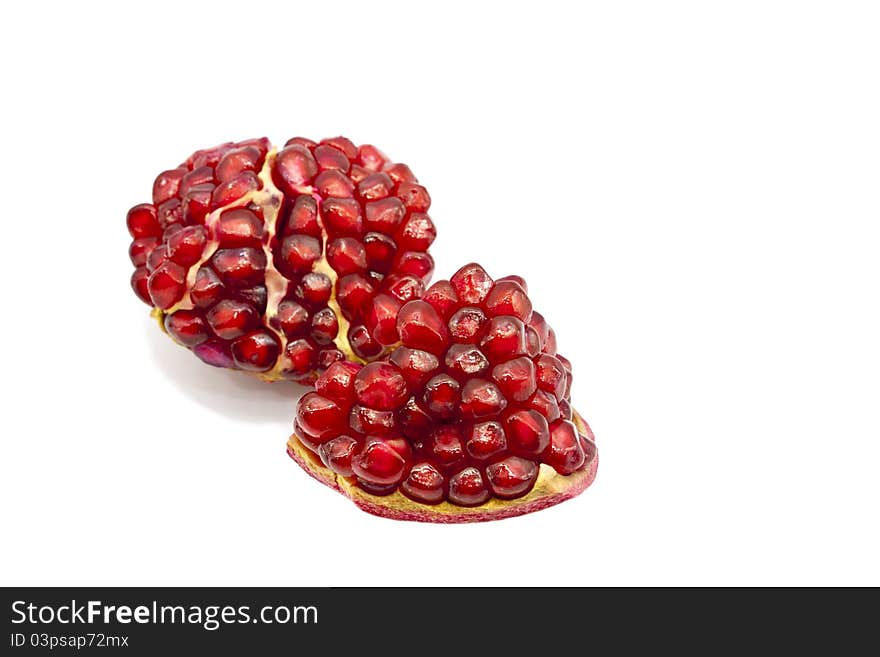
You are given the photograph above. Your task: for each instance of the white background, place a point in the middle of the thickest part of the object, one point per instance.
(691, 190)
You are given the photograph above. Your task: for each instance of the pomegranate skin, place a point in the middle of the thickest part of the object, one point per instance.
(315, 244)
(550, 489)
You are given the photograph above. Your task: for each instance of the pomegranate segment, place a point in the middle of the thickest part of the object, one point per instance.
(460, 421)
(283, 262)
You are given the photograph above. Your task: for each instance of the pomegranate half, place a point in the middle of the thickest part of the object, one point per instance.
(282, 262)
(469, 418)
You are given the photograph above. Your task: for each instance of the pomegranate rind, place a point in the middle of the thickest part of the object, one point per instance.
(550, 489)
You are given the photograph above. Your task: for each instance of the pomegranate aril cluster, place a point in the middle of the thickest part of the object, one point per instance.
(468, 407)
(283, 263)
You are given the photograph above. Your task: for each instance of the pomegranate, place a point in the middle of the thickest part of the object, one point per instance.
(281, 262)
(468, 418)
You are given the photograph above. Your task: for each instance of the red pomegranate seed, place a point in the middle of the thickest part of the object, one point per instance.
(565, 453)
(442, 396)
(465, 360)
(231, 318)
(511, 477)
(415, 422)
(157, 256)
(237, 161)
(342, 217)
(466, 324)
(504, 337)
(319, 417)
(235, 189)
(362, 343)
(239, 227)
(294, 167)
(417, 366)
(550, 344)
(142, 221)
(167, 284)
(424, 484)
(420, 327)
(442, 297)
(381, 319)
(564, 410)
(257, 296)
(516, 378)
(186, 245)
(325, 326)
(140, 249)
(371, 157)
(472, 284)
(338, 453)
(302, 355)
(508, 298)
(375, 186)
(384, 215)
(467, 488)
(303, 218)
(196, 204)
(256, 351)
(399, 173)
(414, 196)
(418, 233)
(527, 432)
(328, 356)
(379, 463)
(481, 398)
(337, 382)
(551, 375)
(354, 293)
(404, 288)
(328, 157)
(533, 342)
(169, 213)
(545, 404)
(139, 284)
(343, 144)
(380, 386)
(444, 444)
(298, 254)
(207, 290)
(167, 184)
(519, 280)
(301, 141)
(208, 156)
(240, 267)
(199, 176)
(346, 255)
(314, 290)
(187, 327)
(379, 251)
(334, 183)
(415, 263)
(486, 439)
(371, 421)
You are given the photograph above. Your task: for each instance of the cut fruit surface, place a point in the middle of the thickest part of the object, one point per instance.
(472, 411)
(280, 262)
